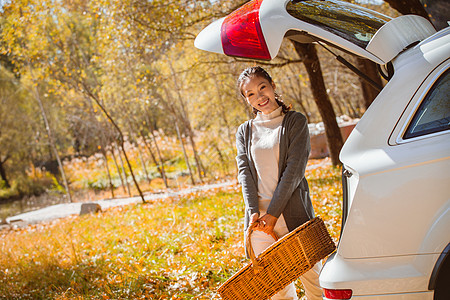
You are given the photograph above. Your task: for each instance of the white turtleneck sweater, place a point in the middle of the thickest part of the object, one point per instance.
(265, 150)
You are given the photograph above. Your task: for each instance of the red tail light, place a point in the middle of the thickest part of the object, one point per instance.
(241, 33)
(337, 294)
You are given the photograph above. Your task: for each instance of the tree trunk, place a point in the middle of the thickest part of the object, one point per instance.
(296, 96)
(408, 7)
(122, 146)
(155, 161)
(148, 147)
(200, 170)
(144, 167)
(161, 161)
(124, 171)
(223, 163)
(187, 124)
(370, 69)
(50, 138)
(310, 59)
(141, 156)
(223, 114)
(186, 159)
(121, 137)
(118, 169)
(158, 152)
(436, 12)
(175, 117)
(111, 185)
(3, 173)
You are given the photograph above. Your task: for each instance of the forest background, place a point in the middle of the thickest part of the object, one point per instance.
(107, 99)
(110, 98)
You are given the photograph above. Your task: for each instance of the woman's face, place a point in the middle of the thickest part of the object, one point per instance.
(260, 94)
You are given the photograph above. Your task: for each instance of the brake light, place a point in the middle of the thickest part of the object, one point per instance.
(241, 33)
(337, 294)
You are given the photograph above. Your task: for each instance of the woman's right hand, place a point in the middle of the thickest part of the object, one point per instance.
(254, 218)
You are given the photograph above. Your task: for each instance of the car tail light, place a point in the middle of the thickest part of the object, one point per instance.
(241, 33)
(337, 294)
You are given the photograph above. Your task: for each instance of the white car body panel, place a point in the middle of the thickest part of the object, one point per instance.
(209, 38)
(372, 277)
(273, 13)
(398, 34)
(410, 28)
(400, 233)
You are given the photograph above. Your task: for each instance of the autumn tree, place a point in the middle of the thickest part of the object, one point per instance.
(21, 42)
(15, 133)
(116, 78)
(308, 54)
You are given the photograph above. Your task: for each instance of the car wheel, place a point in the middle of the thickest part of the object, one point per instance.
(442, 290)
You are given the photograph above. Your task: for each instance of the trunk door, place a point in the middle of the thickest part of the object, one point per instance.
(352, 28)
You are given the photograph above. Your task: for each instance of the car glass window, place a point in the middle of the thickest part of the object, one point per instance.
(353, 23)
(433, 114)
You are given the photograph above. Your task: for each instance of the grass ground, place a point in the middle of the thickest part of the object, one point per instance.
(180, 248)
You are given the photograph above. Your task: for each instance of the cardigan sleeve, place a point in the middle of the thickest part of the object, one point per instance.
(297, 153)
(245, 178)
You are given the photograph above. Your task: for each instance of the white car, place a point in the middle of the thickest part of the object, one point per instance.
(395, 234)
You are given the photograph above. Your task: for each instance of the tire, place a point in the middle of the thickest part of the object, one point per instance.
(442, 290)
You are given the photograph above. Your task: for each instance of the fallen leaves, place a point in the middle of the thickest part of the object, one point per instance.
(178, 248)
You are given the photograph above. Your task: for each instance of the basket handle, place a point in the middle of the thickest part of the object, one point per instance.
(250, 251)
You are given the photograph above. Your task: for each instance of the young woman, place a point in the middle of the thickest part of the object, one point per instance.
(272, 152)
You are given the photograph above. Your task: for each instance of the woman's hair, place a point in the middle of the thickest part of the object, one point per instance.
(258, 71)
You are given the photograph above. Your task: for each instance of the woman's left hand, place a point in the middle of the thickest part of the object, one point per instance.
(267, 223)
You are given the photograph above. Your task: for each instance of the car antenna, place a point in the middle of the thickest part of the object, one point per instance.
(352, 67)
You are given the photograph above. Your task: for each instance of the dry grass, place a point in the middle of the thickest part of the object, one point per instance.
(181, 248)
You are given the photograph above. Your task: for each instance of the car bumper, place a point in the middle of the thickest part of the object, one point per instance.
(405, 296)
(399, 277)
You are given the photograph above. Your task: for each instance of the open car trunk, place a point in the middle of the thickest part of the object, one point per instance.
(256, 30)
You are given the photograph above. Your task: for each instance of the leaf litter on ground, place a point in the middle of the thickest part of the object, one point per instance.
(179, 248)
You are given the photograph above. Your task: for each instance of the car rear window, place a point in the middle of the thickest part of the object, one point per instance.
(433, 114)
(353, 23)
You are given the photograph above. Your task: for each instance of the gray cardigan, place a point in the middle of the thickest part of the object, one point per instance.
(291, 196)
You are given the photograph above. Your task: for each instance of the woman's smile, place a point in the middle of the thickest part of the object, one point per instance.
(264, 103)
(260, 94)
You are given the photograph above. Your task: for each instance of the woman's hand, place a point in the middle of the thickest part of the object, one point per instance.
(254, 218)
(267, 223)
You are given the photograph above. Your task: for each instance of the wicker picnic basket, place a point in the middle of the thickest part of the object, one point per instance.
(280, 264)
